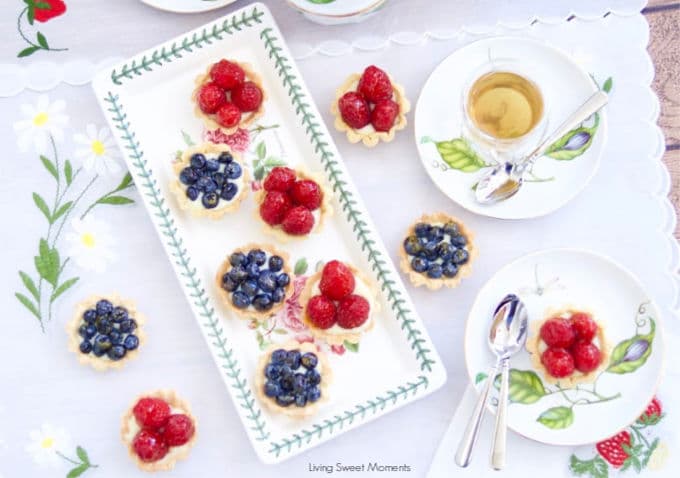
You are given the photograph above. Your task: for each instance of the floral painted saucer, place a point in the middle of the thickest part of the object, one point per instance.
(187, 6)
(567, 412)
(336, 12)
(455, 161)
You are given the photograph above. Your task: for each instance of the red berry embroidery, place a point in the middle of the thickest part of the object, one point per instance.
(210, 98)
(298, 221)
(279, 179)
(558, 362)
(178, 430)
(375, 85)
(354, 110)
(586, 356)
(612, 449)
(353, 311)
(321, 311)
(149, 446)
(306, 193)
(383, 115)
(151, 412)
(227, 75)
(337, 280)
(653, 410)
(557, 332)
(584, 326)
(247, 96)
(54, 9)
(228, 115)
(274, 207)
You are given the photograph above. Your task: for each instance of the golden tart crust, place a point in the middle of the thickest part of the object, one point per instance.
(103, 363)
(418, 279)
(247, 118)
(293, 411)
(370, 137)
(195, 207)
(250, 312)
(175, 453)
(534, 342)
(349, 336)
(325, 209)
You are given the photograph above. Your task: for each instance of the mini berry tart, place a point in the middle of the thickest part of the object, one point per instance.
(158, 430)
(339, 304)
(255, 281)
(438, 251)
(292, 204)
(210, 180)
(228, 96)
(370, 107)
(293, 379)
(105, 332)
(569, 346)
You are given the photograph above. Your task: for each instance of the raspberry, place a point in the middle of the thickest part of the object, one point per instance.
(375, 85)
(354, 110)
(584, 326)
(321, 311)
(178, 430)
(298, 221)
(149, 446)
(247, 96)
(353, 311)
(226, 74)
(557, 332)
(279, 179)
(275, 207)
(151, 412)
(337, 280)
(306, 193)
(558, 362)
(228, 115)
(210, 98)
(586, 356)
(383, 115)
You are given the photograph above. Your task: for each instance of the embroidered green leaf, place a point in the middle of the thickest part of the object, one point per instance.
(30, 285)
(62, 210)
(68, 172)
(28, 304)
(300, 266)
(125, 182)
(47, 263)
(42, 205)
(479, 377)
(525, 386)
(187, 139)
(78, 470)
(63, 288)
(43, 5)
(261, 150)
(49, 165)
(115, 200)
(595, 468)
(351, 346)
(82, 454)
(629, 355)
(557, 418)
(607, 85)
(30, 14)
(458, 154)
(42, 41)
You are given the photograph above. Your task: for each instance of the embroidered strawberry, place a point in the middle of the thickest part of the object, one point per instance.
(44, 10)
(353, 311)
(227, 75)
(586, 355)
(383, 115)
(653, 410)
(584, 326)
(612, 449)
(247, 96)
(211, 98)
(306, 193)
(374, 84)
(274, 207)
(321, 311)
(557, 332)
(178, 430)
(298, 221)
(337, 280)
(151, 412)
(558, 362)
(354, 109)
(279, 179)
(228, 115)
(149, 446)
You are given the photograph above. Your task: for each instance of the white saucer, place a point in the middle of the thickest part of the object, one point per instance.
(187, 6)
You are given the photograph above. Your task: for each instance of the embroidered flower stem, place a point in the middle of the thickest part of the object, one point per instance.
(40, 38)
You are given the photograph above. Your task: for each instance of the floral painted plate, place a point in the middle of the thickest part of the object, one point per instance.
(455, 163)
(336, 12)
(590, 412)
(392, 365)
(187, 6)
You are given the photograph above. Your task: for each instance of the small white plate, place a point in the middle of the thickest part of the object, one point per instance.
(632, 324)
(439, 120)
(336, 12)
(187, 6)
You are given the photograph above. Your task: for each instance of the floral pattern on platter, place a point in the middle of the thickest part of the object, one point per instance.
(40, 11)
(49, 446)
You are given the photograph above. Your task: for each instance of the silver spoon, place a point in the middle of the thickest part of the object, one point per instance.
(505, 179)
(507, 335)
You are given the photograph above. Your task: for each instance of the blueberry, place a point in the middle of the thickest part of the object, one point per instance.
(287, 381)
(299, 382)
(279, 355)
(422, 229)
(436, 234)
(197, 161)
(211, 165)
(284, 400)
(237, 259)
(445, 250)
(450, 228)
(412, 245)
(283, 280)
(250, 287)
(116, 337)
(128, 326)
(461, 256)
(192, 193)
(262, 302)
(229, 191)
(85, 347)
(419, 264)
(228, 283)
(309, 360)
(293, 359)
(434, 271)
(116, 352)
(449, 269)
(219, 179)
(301, 399)
(429, 251)
(210, 200)
(240, 300)
(313, 394)
(238, 274)
(458, 240)
(275, 263)
(82, 331)
(272, 389)
(102, 343)
(225, 158)
(188, 176)
(233, 170)
(104, 307)
(313, 377)
(272, 371)
(253, 270)
(278, 294)
(257, 256)
(103, 325)
(206, 184)
(90, 331)
(90, 316)
(267, 281)
(119, 313)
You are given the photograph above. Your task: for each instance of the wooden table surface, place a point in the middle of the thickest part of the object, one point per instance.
(664, 47)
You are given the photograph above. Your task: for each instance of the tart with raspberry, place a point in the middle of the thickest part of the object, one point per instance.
(292, 204)
(158, 430)
(370, 107)
(106, 331)
(210, 180)
(254, 281)
(228, 96)
(339, 304)
(438, 251)
(568, 346)
(293, 379)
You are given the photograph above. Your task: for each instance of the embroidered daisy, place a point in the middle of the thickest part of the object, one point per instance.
(97, 150)
(40, 121)
(46, 443)
(90, 243)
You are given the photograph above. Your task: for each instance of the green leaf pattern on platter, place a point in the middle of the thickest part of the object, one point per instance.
(557, 418)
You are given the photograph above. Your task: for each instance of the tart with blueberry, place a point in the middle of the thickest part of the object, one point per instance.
(228, 96)
(105, 332)
(293, 379)
(370, 107)
(158, 430)
(438, 251)
(255, 281)
(338, 304)
(292, 203)
(568, 346)
(210, 180)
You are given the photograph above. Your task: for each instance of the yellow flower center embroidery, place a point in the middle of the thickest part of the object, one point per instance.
(98, 147)
(47, 442)
(40, 119)
(88, 240)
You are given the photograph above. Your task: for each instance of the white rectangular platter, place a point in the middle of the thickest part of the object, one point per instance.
(147, 102)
